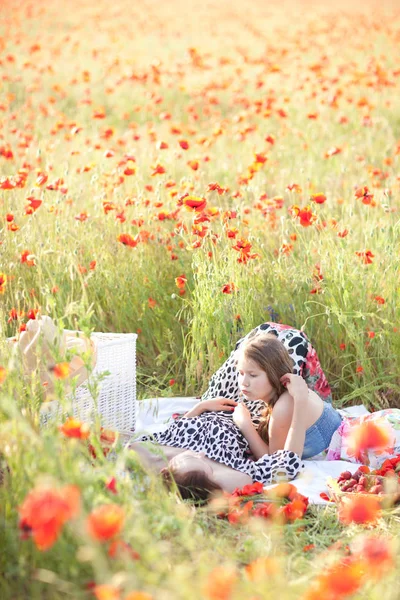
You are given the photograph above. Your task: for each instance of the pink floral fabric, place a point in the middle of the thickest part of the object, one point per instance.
(341, 447)
(314, 376)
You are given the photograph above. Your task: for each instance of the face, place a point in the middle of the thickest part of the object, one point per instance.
(253, 381)
(191, 461)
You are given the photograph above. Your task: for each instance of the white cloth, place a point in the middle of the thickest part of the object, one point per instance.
(153, 414)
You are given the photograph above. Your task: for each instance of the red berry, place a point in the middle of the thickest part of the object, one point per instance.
(347, 486)
(345, 475)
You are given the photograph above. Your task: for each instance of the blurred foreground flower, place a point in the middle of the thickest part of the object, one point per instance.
(111, 592)
(3, 374)
(220, 583)
(263, 568)
(45, 511)
(75, 429)
(340, 581)
(370, 435)
(378, 554)
(61, 370)
(105, 522)
(119, 548)
(3, 282)
(360, 509)
(106, 592)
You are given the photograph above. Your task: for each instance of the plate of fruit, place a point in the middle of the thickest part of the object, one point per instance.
(365, 482)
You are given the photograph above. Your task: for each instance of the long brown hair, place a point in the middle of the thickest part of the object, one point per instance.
(192, 485)
(272, 357)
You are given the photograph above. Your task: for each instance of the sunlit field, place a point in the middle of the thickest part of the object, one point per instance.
(186, 172)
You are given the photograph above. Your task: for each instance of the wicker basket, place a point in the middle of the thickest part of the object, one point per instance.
(338, 496)
(110, 391)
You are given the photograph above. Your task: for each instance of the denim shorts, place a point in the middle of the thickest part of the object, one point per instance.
(319, 435)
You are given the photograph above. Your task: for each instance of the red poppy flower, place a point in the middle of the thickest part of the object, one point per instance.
(184, 144)
(305, 215)
(34, 204)
(378, 554)
(360, 509)
(366, 256)
(220, 584)
(180, 281)
(318, 198)
(194, 203)
(341, 580)
(127, 240)
(106, 592)
(251, 489)
(193, 164)
(364, 194)
(73, 428)
(216, 187)
(105, 522)
(158, 170)
(152, 303)
(111, 485)
(332, 152)
(3, 282)
(228, 288)
(45, 511)
(61, 370)
(261, 568)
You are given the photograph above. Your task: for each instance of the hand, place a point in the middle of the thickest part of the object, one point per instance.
(296, 386)
(242, 417)
(217, 404)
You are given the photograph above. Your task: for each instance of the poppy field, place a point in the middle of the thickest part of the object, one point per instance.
(187, 174)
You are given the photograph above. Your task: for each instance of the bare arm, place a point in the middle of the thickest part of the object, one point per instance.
(242, 418)
(298, 389)
(215, 404)
(280, 422)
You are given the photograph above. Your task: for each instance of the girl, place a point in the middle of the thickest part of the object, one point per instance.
(208, 427)
(218, 437)
(265, 424)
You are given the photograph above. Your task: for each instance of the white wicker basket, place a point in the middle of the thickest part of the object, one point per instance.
(115, 397)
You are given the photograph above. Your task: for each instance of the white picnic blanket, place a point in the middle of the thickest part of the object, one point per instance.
(154, 414)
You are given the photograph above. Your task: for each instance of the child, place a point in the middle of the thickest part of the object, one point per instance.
(261, 363)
